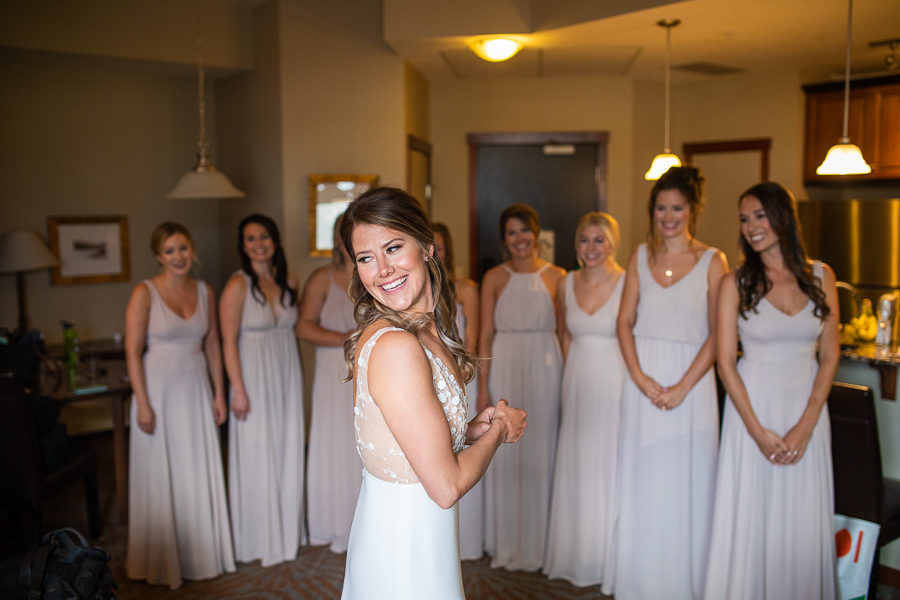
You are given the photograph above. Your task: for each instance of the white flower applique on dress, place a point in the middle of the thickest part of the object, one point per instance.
(379, 451)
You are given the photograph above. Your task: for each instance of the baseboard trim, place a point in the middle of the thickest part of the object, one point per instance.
(888, 576)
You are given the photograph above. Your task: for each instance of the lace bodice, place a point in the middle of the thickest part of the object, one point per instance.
(379, 451)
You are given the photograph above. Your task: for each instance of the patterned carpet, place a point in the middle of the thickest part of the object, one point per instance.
(316, 574)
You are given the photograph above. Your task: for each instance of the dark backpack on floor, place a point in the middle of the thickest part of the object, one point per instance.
(65, 567)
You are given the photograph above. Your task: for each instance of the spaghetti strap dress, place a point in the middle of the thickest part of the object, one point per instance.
(667, 459)
(265, 450)
(178, 515)
(526, 367)
(582, 515)
(773, 531)
(471, 506)
(403, 546)
(333, 471)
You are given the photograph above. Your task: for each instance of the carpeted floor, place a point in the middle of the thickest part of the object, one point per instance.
(317, 573)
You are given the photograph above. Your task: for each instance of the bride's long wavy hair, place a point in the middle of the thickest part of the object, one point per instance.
(393, 208)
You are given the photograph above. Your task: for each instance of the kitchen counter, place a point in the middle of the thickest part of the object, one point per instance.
(884, 359)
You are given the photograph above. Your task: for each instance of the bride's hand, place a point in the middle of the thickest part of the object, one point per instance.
(511, 420)
(479, 425)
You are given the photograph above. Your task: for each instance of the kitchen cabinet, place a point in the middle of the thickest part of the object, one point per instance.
(873, 125)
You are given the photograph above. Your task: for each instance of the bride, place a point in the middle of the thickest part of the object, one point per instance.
(409, 368)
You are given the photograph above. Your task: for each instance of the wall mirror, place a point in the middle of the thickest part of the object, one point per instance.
(329, 196)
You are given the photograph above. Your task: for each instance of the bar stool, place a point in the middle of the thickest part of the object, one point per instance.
(860, 488)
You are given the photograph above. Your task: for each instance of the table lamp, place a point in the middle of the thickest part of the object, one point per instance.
(22, 251)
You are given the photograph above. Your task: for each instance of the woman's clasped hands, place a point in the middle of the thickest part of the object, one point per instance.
(783, 451)
(511, 422)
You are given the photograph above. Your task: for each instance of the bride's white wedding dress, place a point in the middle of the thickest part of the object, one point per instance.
(402, 545)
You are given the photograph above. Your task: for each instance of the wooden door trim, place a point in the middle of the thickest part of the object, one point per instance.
(761, 145)
(415, 144)
(475, 140)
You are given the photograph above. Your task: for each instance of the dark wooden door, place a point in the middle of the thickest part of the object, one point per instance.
(561, 176)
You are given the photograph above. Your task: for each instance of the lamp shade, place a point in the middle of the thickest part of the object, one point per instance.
(661, 163)
(204, 183)
(24, 251)
(844, 159)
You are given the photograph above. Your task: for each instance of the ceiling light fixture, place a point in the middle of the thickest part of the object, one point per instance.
(203, 181)
(665, 161)
(845, 158)
(496, 49)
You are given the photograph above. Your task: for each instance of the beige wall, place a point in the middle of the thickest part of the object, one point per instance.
(342, 95)
(85, 137)
(517, 105)
(249, 128)
(723, 108)
(416, 103)
(160, 31)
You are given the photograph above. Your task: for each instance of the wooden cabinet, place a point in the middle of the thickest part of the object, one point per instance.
(873, 125)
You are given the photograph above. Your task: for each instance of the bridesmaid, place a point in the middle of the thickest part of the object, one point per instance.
(582, 515)
(518, 337)
(265, 450)
(471, 506)
(775, 460)
(670, 425)
(334, 468)
(178, 517)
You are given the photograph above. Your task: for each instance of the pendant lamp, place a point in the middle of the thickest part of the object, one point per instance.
(663, 162)
(845, 158)
(203, 181)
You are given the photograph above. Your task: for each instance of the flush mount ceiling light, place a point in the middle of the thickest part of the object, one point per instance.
(496, 49)
(845, 158)
(203, 181)
(663, 162)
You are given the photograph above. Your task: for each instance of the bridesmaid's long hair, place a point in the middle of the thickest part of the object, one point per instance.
(393, 208)
(449, 263)
(689, 182)
(278, 260)
(752, 282)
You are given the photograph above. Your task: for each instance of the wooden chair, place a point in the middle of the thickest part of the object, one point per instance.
(23, 482)
(860, 489)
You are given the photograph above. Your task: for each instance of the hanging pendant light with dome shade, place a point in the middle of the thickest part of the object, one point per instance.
(665, 161)
(845, 158)
(203, 181)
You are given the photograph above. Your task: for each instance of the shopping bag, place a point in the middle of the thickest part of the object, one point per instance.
(855, 541)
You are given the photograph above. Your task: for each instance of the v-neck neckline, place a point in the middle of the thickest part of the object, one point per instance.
(172, 310)
(789, 316)
(602, 306)
(674, 283)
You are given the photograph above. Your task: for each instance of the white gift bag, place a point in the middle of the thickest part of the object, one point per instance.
(855, 541)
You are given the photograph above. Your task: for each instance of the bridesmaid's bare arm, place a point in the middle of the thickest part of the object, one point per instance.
(214, 360)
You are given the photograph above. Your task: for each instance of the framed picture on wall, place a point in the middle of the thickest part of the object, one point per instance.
(90, 249)
(329, 196)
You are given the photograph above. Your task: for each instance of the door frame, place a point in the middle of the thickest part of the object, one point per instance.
(476, 140)
(415, 145)
(761, 145)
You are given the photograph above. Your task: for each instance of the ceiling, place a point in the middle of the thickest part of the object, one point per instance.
(611, 38)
